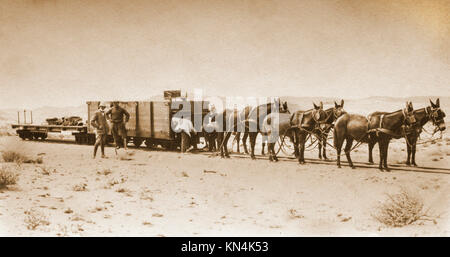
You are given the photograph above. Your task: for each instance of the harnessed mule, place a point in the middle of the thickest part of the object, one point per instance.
(244, 116)
(303, 124)
(377, 128)
(412, 132)
(323, 128)
(253, 125)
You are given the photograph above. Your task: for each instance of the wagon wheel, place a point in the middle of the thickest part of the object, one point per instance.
(23, 136)
(149, 143)
(185, 142)
(36, 136)
(77, 139)
(137, 141)
(43, 136)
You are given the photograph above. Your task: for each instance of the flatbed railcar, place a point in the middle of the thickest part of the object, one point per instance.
(150, 122)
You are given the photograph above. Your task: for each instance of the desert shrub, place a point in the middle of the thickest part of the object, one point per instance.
(6, 131)
(18, 157)
(33, 219)
(18, 152)
(122, 190)
(104, 172)
(13, 156)
(7, 177)
(400, 210)
(80, 187)
(293, 214)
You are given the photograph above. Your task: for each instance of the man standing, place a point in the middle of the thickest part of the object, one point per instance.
(98, 121)
(115, 115)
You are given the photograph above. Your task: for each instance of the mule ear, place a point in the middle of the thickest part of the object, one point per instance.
(321, 105)
(315, 106)
(410, 105)
(342, 102)
(432, 104)
(336, 105)
(437, 103)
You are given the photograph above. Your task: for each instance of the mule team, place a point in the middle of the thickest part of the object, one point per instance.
(274, 122)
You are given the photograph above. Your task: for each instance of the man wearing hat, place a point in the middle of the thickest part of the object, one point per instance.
(98, 121)
(116, 116)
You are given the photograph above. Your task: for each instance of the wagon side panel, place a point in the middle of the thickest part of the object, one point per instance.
(143, 125)
(160, 124)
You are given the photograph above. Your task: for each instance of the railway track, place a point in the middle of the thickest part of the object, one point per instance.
(358, 164)
(343, 163)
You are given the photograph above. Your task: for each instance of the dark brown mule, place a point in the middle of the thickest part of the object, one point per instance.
(324, 127)
(244, 116)
(377, 115)
(303, 124)
(380, 129)
(412, 132)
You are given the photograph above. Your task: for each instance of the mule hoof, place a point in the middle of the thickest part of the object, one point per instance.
(353, 167)
(339, 166)
(415, 165)
(253, 157)
(275, 159)
(370, 162)
(408, 164)
(227, 156)
(381, 169)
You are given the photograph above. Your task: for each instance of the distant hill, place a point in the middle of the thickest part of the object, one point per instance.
(362, 106)
(9, 116)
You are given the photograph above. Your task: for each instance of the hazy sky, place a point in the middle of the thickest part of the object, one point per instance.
(62, 53)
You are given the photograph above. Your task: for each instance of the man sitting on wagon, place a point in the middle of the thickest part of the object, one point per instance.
(115, 116)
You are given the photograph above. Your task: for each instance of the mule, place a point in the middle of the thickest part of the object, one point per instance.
(253, 124)
(376, 128)
(323, 129)
(303, 124)
(411, 133)
(244, 115)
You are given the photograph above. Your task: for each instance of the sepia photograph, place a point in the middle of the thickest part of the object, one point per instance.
(224, 118)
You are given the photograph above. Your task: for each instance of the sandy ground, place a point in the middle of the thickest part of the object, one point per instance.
(159, 193)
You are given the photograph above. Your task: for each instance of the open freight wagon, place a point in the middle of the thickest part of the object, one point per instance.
(150, 122)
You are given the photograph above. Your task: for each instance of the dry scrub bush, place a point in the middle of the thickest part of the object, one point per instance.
(18, 157)
(18, 152)
(400, 210)
(35, 219)
(80, 187)
(7, 177)
(104, 172)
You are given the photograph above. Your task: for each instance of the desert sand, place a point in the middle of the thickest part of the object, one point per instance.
(145, 192)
